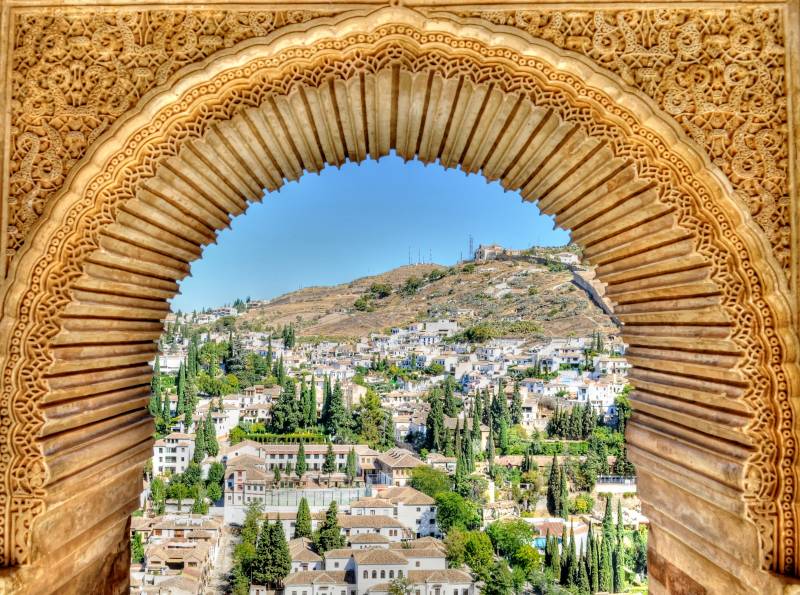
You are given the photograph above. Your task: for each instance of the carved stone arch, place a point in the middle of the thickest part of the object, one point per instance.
(692, 278)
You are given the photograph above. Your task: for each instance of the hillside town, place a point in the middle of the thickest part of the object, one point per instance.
(433, 458)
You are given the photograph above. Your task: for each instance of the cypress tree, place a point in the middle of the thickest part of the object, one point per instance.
(502, 437)
(548, 550)
(302, 527)
(301, 466)
(569, 561)
(450, 405)
(199, 444)
(554, 490)
(281, 559)
(269, 354)
(329, 535)
(583, 584)
(516, 406)
(337, 418)
(212, 446)
(469, 449)
(487, 407)
(276, 475)
(606, 566)
(619, 552)
(311, 404)
(563, 494)
(155, 406)
(167, 413)
(329, 464)
(261, 565)
(350, 467)
(180, 385)
(490, 450)
(476, 420)
(435, 424)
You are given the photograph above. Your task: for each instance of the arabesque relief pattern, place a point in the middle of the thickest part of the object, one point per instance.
(720, 73)
(74, 75)
(759, 353)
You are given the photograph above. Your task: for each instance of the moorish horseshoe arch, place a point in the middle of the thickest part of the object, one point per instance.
(693, 279)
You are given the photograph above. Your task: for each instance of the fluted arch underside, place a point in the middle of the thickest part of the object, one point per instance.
(689, 274)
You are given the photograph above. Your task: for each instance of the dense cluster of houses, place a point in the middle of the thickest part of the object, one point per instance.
(391, 529)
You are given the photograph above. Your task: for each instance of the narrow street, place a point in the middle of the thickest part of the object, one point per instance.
(218, 584)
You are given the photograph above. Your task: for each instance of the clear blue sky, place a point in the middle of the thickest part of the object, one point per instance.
(359, 220)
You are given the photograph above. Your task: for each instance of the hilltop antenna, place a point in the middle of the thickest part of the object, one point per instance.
(419, 255)
(409, 256)
(471, 247)
(430, 256)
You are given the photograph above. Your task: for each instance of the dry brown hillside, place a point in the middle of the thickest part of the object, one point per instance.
(496, 292)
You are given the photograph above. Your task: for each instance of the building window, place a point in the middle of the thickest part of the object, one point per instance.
(366, 574)
(416, 563)
(383, 574)
(391, 574)
(374, 574)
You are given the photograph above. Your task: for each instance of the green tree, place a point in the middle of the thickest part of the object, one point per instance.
(329, 463)
(180, 492)
(137, 548)
(328, 536)
(212, 445)
(286, 413)
(450, 405)
(516, 406)
(158, 496)
(563, 494)
(200, 504)
(336, 418)
(453, 510)
(155, 406)
(351, 467)
(430, 481)
(199, 444)
(508, 536)
(372, 421)
(301, 466)
(281, 559)
(276, 475)
(435, 424)
(302, 526)
(501, 582)
(554, 489)
(261, 566)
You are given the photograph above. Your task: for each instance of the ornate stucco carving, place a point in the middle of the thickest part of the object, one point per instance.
(747, 373)
(74, 74)
(719, 72)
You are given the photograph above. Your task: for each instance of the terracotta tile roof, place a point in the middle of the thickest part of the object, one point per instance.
(421, 552)
(377, 521)
(340, 553)
(318, 577)
(422, 543)
(380, 556)
(450, 575)
(371, 503)
(406, 495)
(399, 458)
(369, 538)
(300, 550)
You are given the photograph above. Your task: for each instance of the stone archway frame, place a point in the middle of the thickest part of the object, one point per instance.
(716, 391)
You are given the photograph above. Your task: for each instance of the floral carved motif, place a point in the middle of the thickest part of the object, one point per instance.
(74, 75)
(719, 72)
(190, 116)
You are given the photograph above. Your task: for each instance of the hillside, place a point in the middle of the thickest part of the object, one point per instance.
(497, 292)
